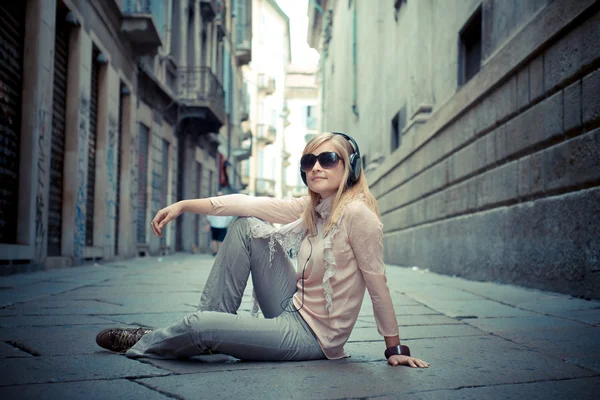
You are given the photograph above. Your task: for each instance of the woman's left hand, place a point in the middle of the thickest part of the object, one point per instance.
(407, 360)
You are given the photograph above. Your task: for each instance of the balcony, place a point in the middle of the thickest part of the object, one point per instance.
(142, 23)
(266, 84)
(285, 156)
(266, 134)
(265, 187)
(296, 191)
(243, 32)
(243, 44)
(201, 96)
(245, 150)
(209, 9)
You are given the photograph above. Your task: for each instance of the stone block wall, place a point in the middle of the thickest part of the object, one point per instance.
(503, 183)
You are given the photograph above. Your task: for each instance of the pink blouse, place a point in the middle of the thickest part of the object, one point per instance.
(341, 266)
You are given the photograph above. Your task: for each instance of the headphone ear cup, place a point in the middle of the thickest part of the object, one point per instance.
(357, 167)
(354, 172)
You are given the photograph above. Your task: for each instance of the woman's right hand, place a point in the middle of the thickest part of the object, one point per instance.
(164, 216)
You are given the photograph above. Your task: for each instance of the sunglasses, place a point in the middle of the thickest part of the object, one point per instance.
(327, 160)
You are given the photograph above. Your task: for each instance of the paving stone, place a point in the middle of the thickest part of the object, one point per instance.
(591, 317)
(158, 320)
(510, 294)
(150, 293)
(582, 389)
(219, 363)
(21, 371)
(416, 332)
(400, 310)
(90, 307)
(47, 320)
(54, 341)
(480, 309)
(562, 308)
(411, 320)
(552, 336)
(89, 390)
(454, 363)
(7, 350)
(442, 295)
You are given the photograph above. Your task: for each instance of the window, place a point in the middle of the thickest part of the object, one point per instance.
(469, 55)
(398, 123)
(311, 120)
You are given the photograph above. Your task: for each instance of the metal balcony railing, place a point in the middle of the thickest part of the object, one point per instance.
(199, 87)
(296, 191)
(265, 187)
(243, 43)
(266, 84)
(266, 134)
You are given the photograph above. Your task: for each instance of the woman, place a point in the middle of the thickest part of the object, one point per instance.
(334, 235)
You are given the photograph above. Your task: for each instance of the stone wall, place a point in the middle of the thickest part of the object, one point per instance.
(500, 180)
(508, 189)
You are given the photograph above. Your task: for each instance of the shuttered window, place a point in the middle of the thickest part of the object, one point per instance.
(164, 190)
(91, 178)
(119, 146)
(142, 183)
(180, 178)
(59, 106)
(198, 192)
(12, 33)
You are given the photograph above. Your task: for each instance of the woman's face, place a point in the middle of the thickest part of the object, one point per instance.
(325, 181)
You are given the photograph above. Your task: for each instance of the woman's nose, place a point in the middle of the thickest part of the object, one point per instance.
(317, 166)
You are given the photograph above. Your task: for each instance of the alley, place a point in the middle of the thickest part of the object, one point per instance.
(483, 340)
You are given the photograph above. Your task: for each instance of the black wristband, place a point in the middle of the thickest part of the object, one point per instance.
(397, 351)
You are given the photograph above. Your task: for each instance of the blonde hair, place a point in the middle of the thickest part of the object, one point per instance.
(344, 194)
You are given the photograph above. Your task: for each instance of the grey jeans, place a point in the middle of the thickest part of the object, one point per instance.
(215, 327)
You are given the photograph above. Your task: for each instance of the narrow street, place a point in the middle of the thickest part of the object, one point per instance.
(483, 340)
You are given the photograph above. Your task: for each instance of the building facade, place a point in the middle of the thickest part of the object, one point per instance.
(264, 80)
(121, 108)
(302, 100)
(479, 128)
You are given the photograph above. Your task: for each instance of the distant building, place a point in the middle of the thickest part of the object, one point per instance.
(478, 123)
(264, 80)
(111, 110)
(302, 99)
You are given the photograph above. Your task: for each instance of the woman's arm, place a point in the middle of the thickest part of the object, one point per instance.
(237, 205)
(267, 208)
(366, 239)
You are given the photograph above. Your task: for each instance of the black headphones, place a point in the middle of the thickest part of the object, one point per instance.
(354, 161)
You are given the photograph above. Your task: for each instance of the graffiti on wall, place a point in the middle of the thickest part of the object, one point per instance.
(40, 221)
(111, 188)
(80, 202)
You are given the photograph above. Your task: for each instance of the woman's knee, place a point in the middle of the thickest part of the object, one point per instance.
(240, 223)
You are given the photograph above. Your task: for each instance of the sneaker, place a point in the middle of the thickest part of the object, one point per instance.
(120, 339)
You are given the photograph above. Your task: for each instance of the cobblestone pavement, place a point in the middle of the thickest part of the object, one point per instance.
(483, 340)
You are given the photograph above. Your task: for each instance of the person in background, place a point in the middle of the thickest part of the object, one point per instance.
(217, 225)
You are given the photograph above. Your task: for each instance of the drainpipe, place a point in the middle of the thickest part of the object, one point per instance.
(354, 66)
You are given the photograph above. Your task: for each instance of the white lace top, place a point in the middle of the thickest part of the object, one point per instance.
(340, 267)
